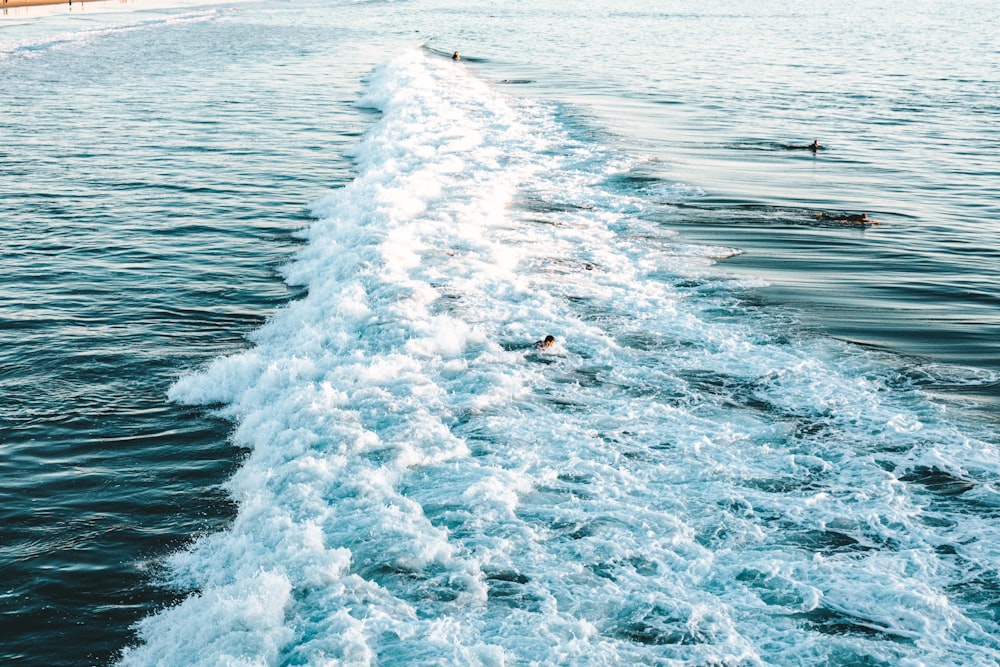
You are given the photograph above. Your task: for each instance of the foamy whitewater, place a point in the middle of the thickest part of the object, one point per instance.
(680, 479)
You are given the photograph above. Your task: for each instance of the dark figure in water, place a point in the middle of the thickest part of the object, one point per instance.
(814, 146)
(455, 56)
(853, 218)
(547, 343)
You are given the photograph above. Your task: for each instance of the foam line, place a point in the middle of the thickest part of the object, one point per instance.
(680, 477)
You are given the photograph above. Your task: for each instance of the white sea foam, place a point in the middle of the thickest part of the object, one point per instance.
(680, 479)
(35, 45)
(676, 192)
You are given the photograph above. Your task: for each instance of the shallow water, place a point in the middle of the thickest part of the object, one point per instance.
(761, 438)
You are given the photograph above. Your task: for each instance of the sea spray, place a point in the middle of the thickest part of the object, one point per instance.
(680, 479)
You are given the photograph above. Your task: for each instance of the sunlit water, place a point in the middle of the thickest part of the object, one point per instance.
(273, 278)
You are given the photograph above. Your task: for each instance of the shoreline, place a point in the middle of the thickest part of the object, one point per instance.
(29, 8)
(11, 4)
(23, 9)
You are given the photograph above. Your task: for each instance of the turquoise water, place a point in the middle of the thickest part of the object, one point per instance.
(273, 274)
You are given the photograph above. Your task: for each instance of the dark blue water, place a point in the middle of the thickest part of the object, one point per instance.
(156, 163)
(148, 200)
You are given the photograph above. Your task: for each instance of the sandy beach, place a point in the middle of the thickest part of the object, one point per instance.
(16, 4)
(14, 9)
(30, 3)
(26, 8)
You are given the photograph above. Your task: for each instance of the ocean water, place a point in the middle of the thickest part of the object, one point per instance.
(273, 278)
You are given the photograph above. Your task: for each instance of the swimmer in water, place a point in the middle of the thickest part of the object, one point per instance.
(853, 218)
(545, 344)
(814, 147)
(455, 56)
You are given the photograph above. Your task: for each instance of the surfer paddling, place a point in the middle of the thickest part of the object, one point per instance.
(814, 147)
(852, 218)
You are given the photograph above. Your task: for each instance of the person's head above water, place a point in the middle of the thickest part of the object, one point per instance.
(548, 342)
(455, 56)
